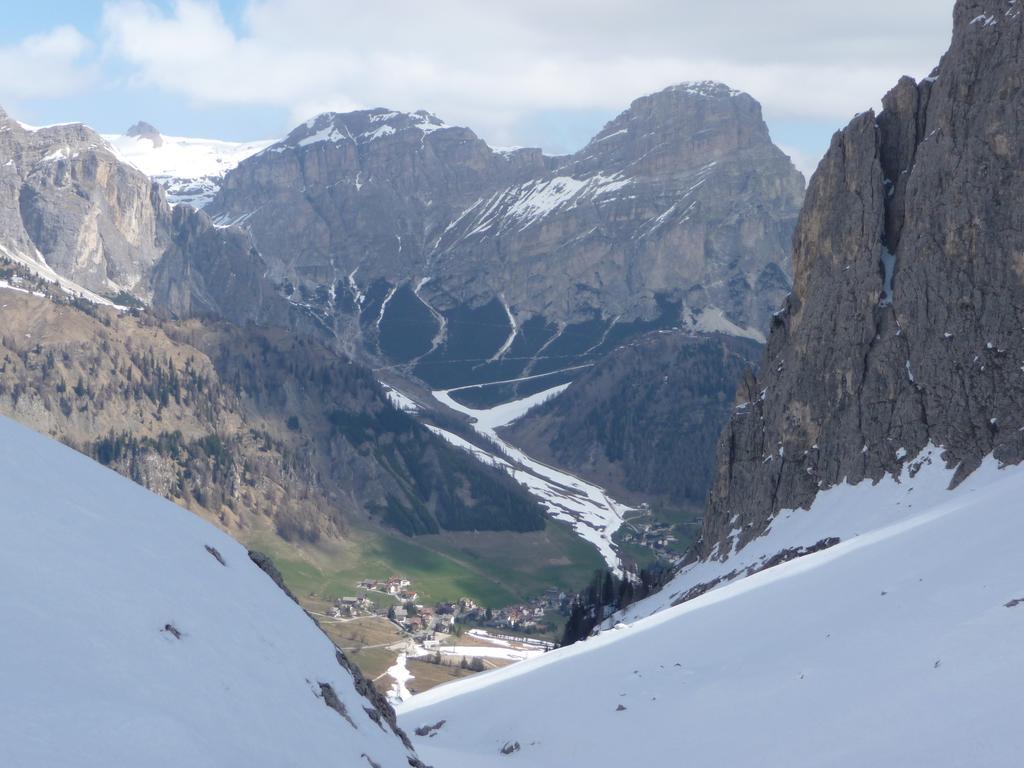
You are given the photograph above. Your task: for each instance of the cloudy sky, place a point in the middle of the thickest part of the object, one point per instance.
(531, 72)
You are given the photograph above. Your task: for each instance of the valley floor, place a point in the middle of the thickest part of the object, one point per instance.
(496, 569)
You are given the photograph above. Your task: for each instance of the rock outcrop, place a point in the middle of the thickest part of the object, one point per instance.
(905, 323)
(214, 272)
(70, 207)
(143, 130)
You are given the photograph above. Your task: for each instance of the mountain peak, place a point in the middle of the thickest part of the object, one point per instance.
(5, 121)
(711, 89)
(706, 120)
(887, 343)
(360, 127)
(143, 130)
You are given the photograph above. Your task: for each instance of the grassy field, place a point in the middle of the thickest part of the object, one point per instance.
(641, 556)
(495, 569)
(427, 675)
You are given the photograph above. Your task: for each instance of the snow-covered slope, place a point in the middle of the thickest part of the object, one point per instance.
(900, 645)
(124, 639)
(190, 170)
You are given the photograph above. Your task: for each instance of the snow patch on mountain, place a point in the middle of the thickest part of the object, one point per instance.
(190, 170)
(706, 88)
(361, 127)
(524, 205)
(37, 265)
(592, 513)
(714, 320)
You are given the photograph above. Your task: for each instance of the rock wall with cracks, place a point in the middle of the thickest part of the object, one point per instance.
(906, 323)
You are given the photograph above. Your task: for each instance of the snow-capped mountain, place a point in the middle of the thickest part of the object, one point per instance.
(134, 633)
(190, 170)
(897, 643)
(680, 211)
(73, 213)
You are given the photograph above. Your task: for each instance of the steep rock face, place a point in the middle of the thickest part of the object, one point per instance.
(682, 195)
(72, 209)
(642, 413)
(213, 272)
(67, 204)
(363, 190)
(905, 324)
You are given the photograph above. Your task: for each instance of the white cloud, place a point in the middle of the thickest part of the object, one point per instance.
(48, 65)
(490, 65)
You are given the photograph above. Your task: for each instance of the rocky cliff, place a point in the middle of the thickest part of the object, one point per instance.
(73, 211)
(181, 406)
(70, 208)
(683, 195)
(905, 323)
(362, 191)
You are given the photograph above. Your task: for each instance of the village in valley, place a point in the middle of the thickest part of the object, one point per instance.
(407, 646)
(533, 617)
(407, 641)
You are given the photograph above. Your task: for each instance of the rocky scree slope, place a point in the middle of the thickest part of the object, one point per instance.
(906, 323)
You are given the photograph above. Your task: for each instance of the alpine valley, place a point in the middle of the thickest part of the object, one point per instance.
(383, 446)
